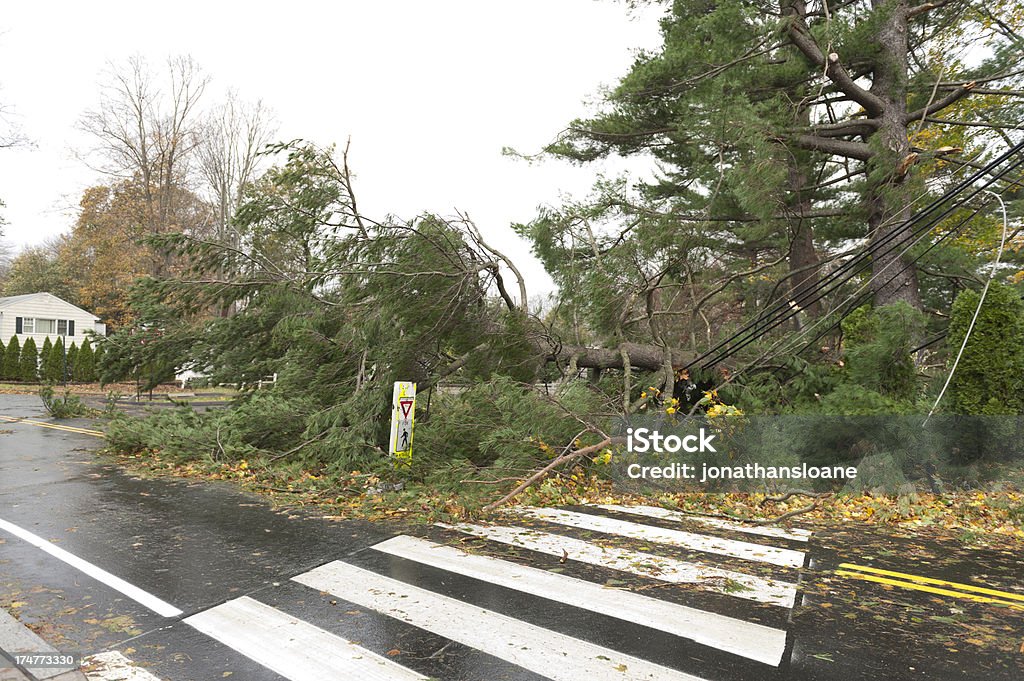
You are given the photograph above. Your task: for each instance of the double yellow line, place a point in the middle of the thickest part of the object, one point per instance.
(53, 426)
(940, 587)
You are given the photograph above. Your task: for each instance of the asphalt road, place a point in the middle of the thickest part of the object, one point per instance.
(182, 581)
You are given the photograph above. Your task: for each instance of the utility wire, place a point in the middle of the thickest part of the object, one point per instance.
(793, 306)
(862, 293)
(981, 301)
(754, 330)
(787, 309)
(852, 302)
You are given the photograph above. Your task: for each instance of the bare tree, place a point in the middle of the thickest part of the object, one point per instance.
(232, 136)
(10, 136)
(147, 132)
(6, 256)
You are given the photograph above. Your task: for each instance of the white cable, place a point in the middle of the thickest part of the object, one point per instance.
(981, 300)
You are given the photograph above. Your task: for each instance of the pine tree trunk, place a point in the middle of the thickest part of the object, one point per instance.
(804, 264)
(894, 279)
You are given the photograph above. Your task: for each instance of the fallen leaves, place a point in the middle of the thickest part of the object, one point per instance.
(974, 517)
(121, 624)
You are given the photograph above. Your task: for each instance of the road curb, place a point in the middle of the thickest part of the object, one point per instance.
(15, 636)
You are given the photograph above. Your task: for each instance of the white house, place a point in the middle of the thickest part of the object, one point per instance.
(38, 315)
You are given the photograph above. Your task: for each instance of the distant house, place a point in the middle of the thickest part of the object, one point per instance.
(38, 315)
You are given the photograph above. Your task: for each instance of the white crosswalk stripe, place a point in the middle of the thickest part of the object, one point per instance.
(664, 568)
(294, 649)
(556, 656)
(114, 666)
(442, 596)
(747, 639)
(793, 534)
(689, 540)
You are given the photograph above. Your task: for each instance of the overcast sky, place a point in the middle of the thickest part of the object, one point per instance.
(429, 92)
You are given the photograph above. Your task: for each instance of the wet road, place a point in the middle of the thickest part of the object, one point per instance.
(197, 581)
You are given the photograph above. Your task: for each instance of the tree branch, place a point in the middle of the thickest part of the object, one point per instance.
(834, 69)
(940, 104)
(838, 147)
(543, 472)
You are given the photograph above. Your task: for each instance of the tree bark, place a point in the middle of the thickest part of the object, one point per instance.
(647, 357)
(804, 264)
(894, 279)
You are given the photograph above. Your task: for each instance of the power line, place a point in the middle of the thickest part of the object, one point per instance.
(787, 309)
(839, 277)
(792, 306)
(862, 294)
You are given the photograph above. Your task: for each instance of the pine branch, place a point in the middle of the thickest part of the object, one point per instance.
(857, 126)
(974, 124)
(834, 69)
(940, 104)
(838, 147)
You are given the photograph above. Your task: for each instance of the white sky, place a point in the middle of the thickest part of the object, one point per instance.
(430, 92)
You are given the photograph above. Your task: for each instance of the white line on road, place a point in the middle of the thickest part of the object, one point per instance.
(113, 666)
(795, 533)
(659, 535)
(133, 592)
(546, 652)
(651, 565)
(746, 639)
(295, 649)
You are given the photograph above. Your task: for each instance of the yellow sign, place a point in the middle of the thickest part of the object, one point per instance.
(403, 413)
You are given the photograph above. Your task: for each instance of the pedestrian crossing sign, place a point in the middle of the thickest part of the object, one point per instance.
(403, 412)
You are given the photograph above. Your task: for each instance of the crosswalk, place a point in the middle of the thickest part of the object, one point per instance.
(593, 593)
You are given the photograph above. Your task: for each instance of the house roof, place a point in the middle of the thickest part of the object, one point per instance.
(16, 299)
(13, 300)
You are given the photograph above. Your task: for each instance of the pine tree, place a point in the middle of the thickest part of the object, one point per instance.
(55, 370)
(97, 362)
(45, 357)
(72, 359)
(29, 365)
(779, 130)
(85, 367)
(12, 359)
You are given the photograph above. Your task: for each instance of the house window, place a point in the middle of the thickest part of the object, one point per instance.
(40, 326)
(62, 327)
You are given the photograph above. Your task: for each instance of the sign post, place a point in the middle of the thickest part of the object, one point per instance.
(403, 411)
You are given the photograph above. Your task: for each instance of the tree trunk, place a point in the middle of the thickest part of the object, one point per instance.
(647, 357)
(804, 264)
(894, 279)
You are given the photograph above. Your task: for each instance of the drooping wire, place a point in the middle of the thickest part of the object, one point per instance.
(860, 296)
(974, 319)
